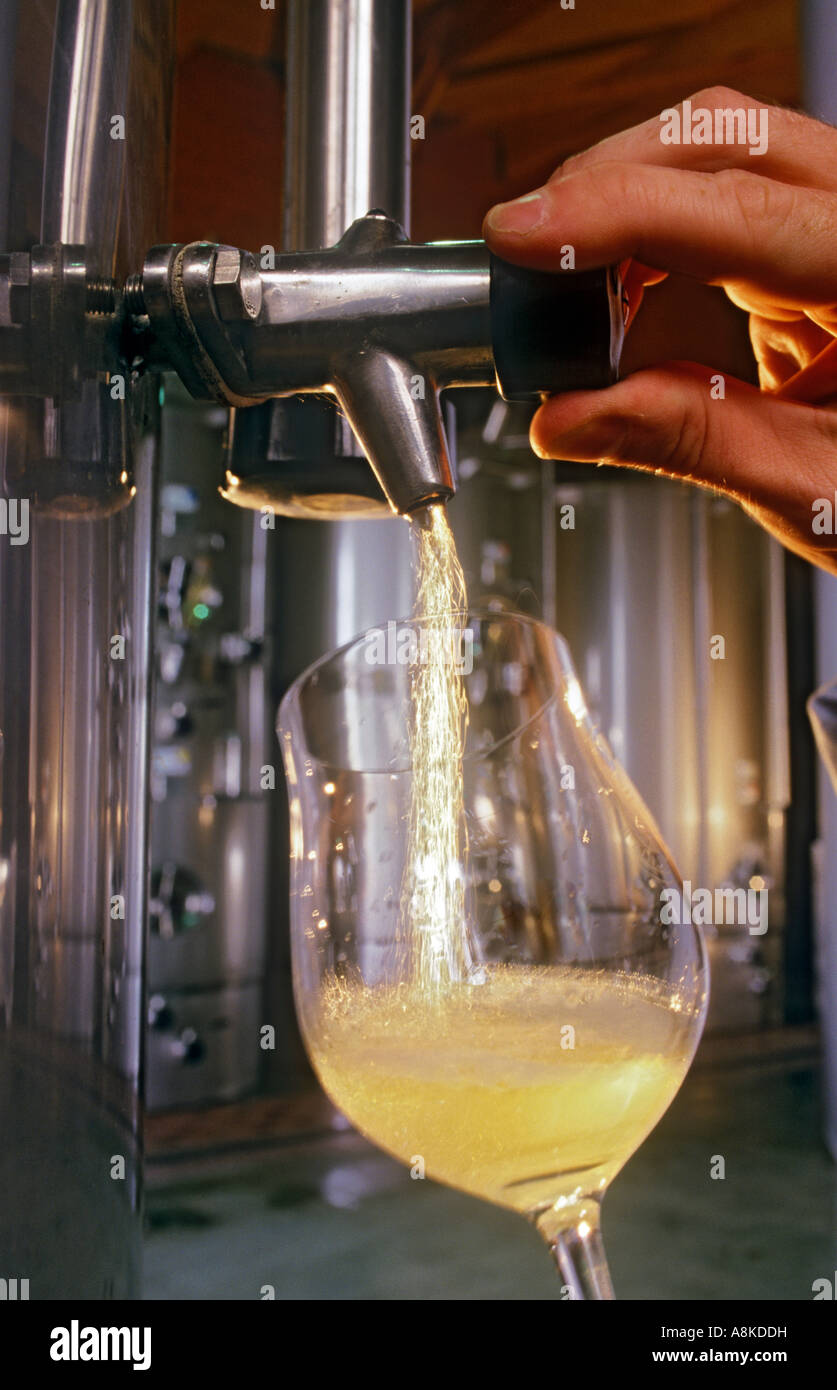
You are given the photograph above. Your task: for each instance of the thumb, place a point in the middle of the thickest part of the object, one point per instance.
(776, 457)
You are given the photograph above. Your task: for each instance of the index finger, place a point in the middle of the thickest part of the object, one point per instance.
(732, 228)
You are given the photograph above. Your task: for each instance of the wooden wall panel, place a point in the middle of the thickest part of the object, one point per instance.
(557, 81)
(227, 155)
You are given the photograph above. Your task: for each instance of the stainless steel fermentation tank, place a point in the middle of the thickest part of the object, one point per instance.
(83, 140)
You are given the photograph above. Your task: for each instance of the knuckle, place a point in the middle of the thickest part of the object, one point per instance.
(617, 183)
(572, 162)
(753, 199)
(718, 96)
(764, 207)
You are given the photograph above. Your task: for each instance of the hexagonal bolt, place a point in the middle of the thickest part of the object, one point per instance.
(236, 284)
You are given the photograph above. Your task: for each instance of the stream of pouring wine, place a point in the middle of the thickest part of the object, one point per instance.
(433, 888)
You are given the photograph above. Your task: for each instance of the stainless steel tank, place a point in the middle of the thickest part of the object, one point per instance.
(83, 154)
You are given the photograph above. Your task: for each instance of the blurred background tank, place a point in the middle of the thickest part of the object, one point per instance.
(212, 789)
(641, 576)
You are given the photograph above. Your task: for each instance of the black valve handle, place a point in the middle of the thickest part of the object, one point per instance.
(555, 331)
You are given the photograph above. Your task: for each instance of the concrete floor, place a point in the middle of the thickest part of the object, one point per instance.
(338, 1220)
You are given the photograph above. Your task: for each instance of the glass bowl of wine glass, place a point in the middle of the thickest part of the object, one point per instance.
(523, 1046)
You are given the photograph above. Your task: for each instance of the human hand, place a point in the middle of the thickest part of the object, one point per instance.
(764, 227)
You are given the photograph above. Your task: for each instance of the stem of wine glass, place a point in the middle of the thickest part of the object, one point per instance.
(578, 1252)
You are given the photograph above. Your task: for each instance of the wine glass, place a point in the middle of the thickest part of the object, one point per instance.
(534, 1071)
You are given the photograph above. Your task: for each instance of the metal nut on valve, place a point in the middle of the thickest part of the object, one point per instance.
(236, 285)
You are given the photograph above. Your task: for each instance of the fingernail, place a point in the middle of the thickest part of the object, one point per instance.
(585, 442)
(521, 216)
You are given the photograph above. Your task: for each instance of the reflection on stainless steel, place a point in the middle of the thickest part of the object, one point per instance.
(349, 65)
(88, 440)
(83, 165)
(74, 675)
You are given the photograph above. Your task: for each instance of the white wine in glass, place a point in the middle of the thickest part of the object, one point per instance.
(530, 1070)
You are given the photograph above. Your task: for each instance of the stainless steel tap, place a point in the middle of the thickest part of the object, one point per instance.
(381, 324)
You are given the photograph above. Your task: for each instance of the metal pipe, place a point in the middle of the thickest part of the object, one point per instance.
(349, 73)
(84, 165)
(347, 150)
(347, 144)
